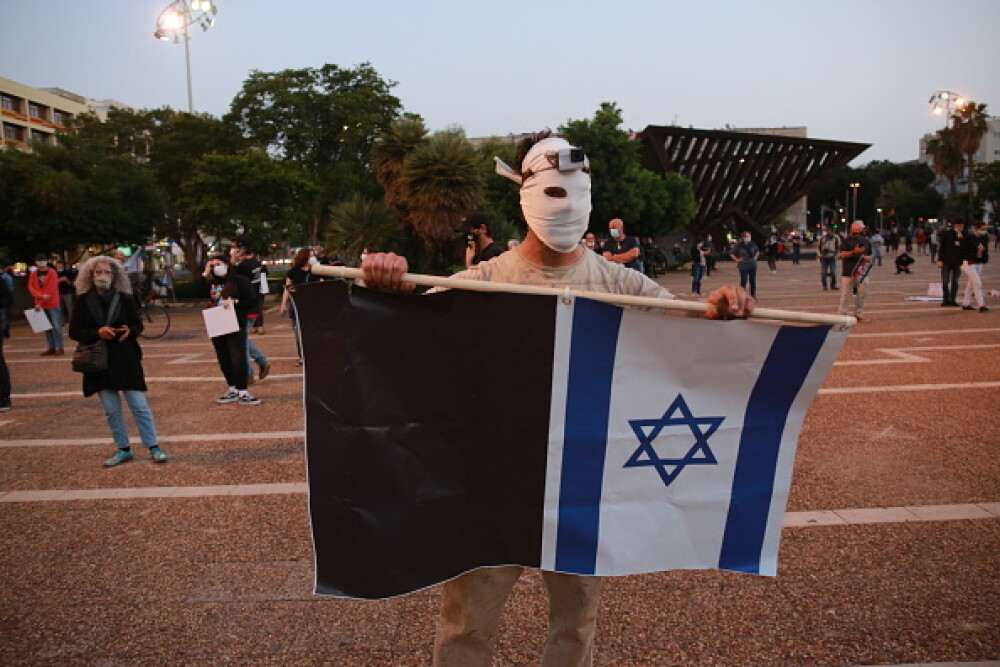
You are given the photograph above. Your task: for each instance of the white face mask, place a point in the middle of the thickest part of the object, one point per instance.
(559, 222)
(104, 282)
(746, 239)
(313, 260)
(614, 233)
(220, 270)
(363, 255)
(42, 263)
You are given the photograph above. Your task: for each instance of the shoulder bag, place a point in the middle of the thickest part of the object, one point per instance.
(93, 357)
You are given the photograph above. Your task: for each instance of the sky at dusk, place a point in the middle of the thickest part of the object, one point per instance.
(852, 70)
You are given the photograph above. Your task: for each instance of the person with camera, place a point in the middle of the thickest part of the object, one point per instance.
(104, 310)
(554, 180)
(479, 245)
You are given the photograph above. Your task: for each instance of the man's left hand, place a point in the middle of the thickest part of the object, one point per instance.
(729, 302)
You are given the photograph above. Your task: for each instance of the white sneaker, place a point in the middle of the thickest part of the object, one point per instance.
(229, 397)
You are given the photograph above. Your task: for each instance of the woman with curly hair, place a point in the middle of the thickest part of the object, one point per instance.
(104, 310)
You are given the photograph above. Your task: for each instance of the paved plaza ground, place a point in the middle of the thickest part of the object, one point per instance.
(890, 554)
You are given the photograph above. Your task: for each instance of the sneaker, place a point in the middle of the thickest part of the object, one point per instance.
(229, 397)
(249, 399)
(59, 352)
(982, 309)
(121, 456)
(4, 407)
(159, 456)
(265, 368)
(967, 308)
(48, 353)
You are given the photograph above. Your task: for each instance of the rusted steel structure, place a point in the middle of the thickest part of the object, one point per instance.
(743, 180)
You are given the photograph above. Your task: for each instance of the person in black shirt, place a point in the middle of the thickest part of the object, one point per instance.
(622, 249)
(480, 246)
(903, 263)
(950, 257)
(853, 250)
(232, 290)
(247, 265)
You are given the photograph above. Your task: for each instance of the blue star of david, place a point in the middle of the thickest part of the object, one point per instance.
(647, 430)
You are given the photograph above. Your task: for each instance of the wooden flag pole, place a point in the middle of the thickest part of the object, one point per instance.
(617, 299)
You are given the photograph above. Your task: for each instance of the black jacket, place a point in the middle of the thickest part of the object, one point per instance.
(950, 253)
(124, 357)
(976, 249)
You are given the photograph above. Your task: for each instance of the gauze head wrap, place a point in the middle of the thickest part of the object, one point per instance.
(559, 222)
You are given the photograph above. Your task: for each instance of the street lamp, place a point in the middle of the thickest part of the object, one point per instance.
(942, 102)
(854, 188)
(172, 25)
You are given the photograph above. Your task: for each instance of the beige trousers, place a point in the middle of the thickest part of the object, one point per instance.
(471, 606)
(847, 295)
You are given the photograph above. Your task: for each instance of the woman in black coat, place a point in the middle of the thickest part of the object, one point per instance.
(232, 290)
(102, 285)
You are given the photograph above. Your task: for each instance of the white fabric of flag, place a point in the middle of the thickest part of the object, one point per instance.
(672, 439)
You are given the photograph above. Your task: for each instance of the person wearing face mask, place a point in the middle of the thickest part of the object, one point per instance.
(950, 257)
(104, 310)
(554, 182)
(230, 289)
(620, 248)
(745, 254)
(975, 253)
(43, 284)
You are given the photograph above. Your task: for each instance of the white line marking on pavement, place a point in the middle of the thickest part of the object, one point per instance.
(909, 387)
(196, 378)
(901, 355)
(186, 437)
(941, 332)
(4, 422)
(956, 512)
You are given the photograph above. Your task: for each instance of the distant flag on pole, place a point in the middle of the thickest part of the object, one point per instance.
(457, 430)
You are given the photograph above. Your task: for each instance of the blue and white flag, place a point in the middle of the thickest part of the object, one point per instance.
(459, 430)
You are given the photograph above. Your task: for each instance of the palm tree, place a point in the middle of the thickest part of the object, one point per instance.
(359, 223)
(970, 124)
(389, 154)
(442, 185)
(946, 152)
(894, 197)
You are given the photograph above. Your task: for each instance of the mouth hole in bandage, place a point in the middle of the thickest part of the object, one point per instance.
(555, 191)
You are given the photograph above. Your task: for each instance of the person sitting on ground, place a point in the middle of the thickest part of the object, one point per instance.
(903, 262)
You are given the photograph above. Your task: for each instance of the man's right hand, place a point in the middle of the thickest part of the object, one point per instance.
(384, 270)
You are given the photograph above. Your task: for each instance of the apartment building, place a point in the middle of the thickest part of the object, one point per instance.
(36, 114)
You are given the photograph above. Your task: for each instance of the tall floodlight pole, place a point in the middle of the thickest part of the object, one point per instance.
(942, 102)
(172, 25)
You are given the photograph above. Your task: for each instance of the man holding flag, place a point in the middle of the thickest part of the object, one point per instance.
(856, 258)
(554, 179)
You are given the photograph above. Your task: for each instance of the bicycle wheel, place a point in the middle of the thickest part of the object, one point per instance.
(155, 321)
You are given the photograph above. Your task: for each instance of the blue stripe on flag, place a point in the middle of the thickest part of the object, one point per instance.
(585, 433)
(788, 362)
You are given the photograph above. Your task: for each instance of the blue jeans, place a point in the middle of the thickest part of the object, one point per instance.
(54, 335)
(136, 401)
(697, 272)
(253, 352)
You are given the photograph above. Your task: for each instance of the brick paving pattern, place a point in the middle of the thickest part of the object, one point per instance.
(890, 553)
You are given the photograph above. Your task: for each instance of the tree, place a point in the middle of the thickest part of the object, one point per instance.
(441, 186)
(501, 198)
(392, 147)
(360, 223)
(323, 120)
(621, 188)
(896, 199)
(988, 178)
(63, 196)
(946, 152)
(970, 123)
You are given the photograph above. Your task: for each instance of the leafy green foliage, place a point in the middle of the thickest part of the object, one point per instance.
(323, 120)
(621, 187)
(360, 223)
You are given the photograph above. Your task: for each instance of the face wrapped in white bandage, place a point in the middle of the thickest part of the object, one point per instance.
(555, 192)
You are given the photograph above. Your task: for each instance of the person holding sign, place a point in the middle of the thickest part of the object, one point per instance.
(229, 289)
(43, 284)
(104, 310)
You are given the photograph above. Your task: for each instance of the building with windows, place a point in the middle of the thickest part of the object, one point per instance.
(36, 114)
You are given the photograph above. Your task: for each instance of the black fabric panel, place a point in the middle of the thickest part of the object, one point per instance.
(427, 426)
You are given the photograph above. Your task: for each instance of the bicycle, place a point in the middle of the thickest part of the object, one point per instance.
(155, 317)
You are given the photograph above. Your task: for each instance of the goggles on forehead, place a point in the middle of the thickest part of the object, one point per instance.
(565, 160)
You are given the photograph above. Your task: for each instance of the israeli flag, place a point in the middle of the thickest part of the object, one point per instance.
(462, 430)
